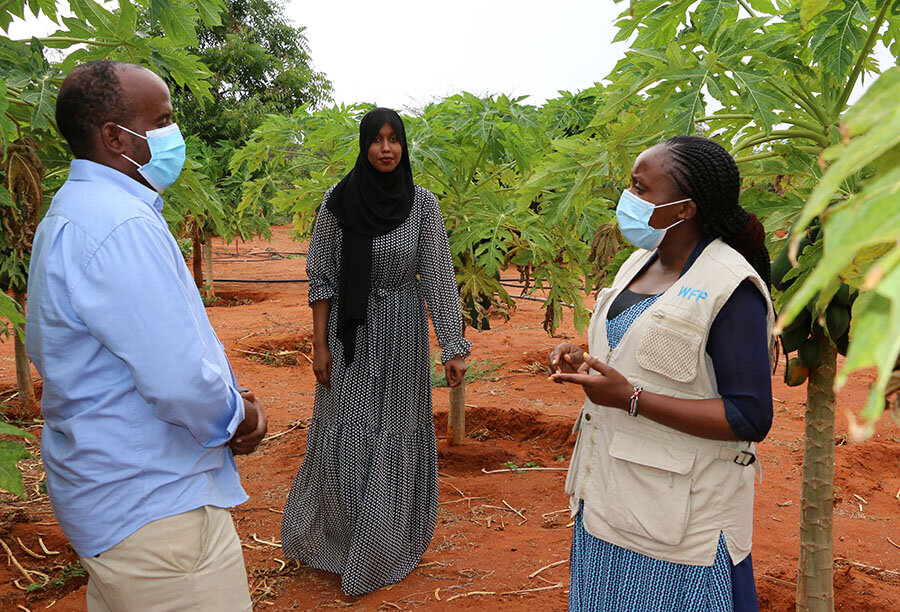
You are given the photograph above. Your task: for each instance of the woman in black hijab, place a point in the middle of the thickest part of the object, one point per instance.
(365, 500)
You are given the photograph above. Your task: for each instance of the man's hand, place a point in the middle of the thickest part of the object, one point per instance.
(455, 369)
(252, 429)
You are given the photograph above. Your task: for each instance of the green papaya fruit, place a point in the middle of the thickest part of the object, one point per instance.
(801, 321)
(809, 353)
(842, 343)
(791, 339)
(795, 374)
(837, 320)
(781, 266)
(842, 297)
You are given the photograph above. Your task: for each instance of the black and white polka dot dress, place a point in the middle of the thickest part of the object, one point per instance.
(365, 500)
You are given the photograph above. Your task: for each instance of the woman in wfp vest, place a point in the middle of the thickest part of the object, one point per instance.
(678, 386)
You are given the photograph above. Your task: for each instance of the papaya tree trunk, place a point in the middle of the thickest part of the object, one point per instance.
(23, 369)
(197, 257)
(207, 257)
(815, 588)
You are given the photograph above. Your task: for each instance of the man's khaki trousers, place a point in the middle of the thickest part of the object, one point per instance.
(190, 561)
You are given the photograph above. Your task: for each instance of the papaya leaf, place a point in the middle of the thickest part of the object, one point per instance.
(178, 24)
(713, 12)
(875, 341)
(838, 37)
(11, 430)
(10, 476)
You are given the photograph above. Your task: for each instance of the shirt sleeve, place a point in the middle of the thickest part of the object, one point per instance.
(435, 269)
(321, 260)
(738, 348)
(132, 299)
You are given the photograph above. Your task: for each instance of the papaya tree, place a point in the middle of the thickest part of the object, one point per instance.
(771, 82)
(473, 154)
(34, 157)
(857, 202)
(259, 64)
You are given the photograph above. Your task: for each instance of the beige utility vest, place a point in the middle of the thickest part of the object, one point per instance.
(645, 486)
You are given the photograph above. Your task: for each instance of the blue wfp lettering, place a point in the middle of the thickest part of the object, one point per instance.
(695, 294)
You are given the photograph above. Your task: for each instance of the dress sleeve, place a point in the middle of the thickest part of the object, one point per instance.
(322, 256)
(740, 357)
(435, 269)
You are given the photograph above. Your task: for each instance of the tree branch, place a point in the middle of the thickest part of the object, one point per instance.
(78, 41)
(726, 116)
(752, 141)
(756, 157)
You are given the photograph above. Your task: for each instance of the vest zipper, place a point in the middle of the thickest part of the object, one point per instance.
(659, 314)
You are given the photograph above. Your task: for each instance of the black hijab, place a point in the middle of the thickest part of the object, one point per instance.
(367, 203)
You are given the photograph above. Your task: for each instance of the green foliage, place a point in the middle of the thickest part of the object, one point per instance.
(11, 319)
(861, 230)
(474, 154)
(34, 155)
(260, 64)
(71, 571)
(476, 370)
(10, 454)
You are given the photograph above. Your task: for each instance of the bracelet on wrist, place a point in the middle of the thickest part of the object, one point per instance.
(633, 402)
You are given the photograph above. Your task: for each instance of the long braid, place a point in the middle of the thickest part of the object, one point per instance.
(706, 173)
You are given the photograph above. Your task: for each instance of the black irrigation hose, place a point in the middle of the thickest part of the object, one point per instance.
(306, 280)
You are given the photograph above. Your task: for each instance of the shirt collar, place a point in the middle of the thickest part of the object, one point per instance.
(87, 170)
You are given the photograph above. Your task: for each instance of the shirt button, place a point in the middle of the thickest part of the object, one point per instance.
(587, 417)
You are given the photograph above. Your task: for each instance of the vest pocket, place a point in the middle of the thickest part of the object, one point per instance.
(670, 346)
(649, 487)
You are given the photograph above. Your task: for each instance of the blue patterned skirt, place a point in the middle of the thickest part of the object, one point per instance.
(609, 578)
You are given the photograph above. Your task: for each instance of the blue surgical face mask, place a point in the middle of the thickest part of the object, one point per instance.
(633, 215)
(167, 154)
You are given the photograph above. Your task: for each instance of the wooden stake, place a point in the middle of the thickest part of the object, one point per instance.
(456, 418)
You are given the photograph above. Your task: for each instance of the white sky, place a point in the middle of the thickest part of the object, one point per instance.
(411, 52)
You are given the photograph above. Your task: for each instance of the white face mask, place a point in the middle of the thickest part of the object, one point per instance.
(167, 155)
(633, 216)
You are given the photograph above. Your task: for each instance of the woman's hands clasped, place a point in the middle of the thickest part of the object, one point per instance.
(606, 387)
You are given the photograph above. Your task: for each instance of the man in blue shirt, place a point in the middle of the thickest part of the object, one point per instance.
(142, 413)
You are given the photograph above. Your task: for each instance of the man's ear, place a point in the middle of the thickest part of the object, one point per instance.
(688, 210)
(112, 138)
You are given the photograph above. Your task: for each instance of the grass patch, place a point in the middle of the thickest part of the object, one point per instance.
(476, 370)
(70, 572)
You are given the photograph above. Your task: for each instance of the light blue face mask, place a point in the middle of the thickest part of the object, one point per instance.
(167, 154)
(633, 215)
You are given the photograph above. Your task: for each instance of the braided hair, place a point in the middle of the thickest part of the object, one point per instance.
(705, 172)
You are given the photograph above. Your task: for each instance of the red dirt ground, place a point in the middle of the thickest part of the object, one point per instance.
(484, 552)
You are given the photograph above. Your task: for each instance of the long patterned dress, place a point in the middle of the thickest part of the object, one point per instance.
(364, 502)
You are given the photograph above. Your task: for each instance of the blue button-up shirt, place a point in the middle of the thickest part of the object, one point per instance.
(139, 399)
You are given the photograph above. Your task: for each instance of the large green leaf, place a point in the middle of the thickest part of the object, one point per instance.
(11, 430)
(839, 37)
(10, 476)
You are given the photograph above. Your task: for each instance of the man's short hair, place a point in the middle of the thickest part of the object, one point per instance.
(90, 96)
